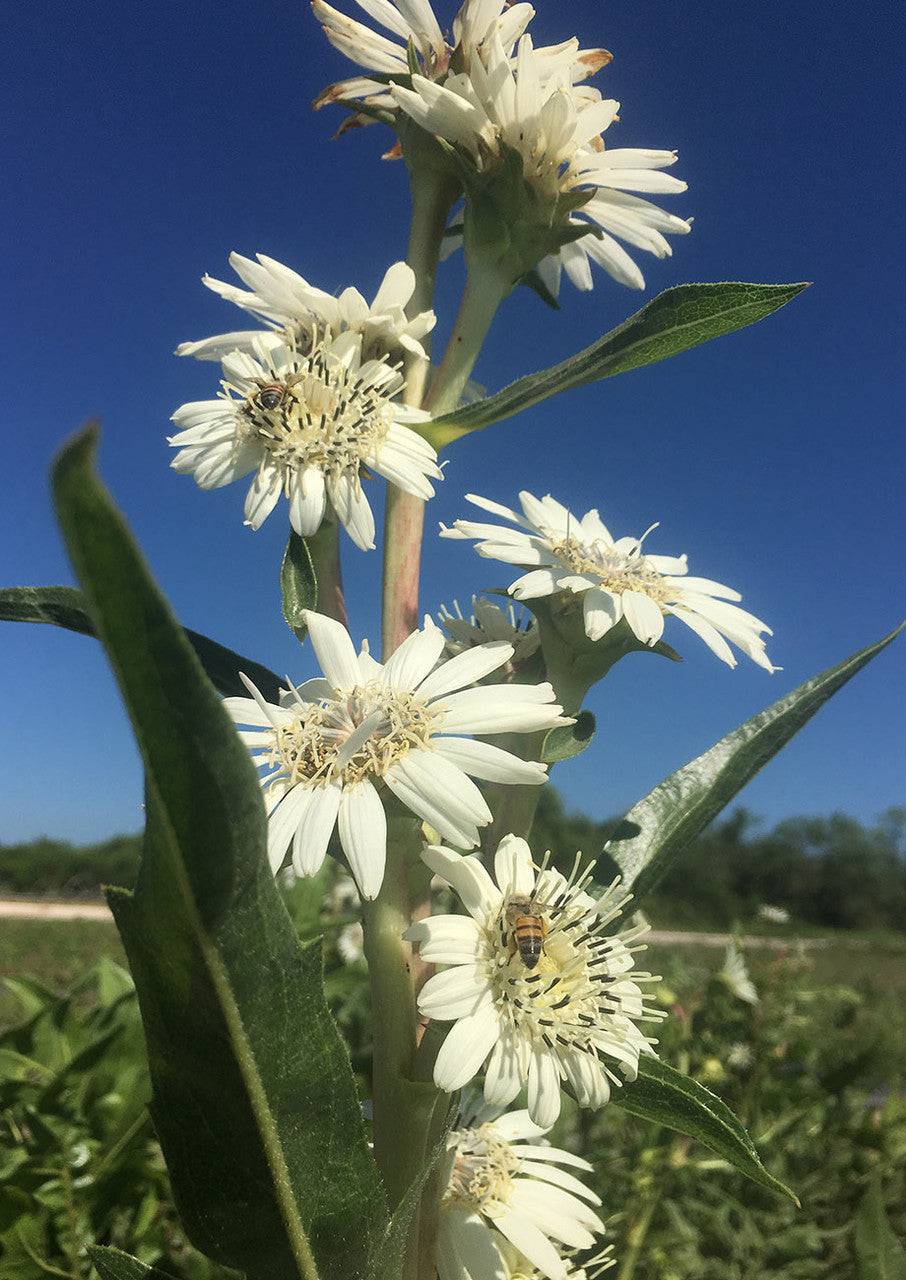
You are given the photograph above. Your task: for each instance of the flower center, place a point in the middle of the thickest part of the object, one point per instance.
(615, 570)
(320, 413)
(577, 992)
(357, 735)
(483, 1169)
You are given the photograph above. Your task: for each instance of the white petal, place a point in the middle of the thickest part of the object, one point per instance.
(313, 834)
(474, 887)
(513, 867)
(468, 1043)
(363, 835)
(333, 649)
(284, 821)
(543, 1087)
(307, 501)
(414, 659)
(643, 615)
(263, 495)
(491, 764)
(465, 669)
(601, 611)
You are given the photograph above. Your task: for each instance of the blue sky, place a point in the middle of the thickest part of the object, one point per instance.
(141, 143)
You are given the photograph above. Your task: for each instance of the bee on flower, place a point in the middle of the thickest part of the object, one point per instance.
(532, 1018)
(311, 425)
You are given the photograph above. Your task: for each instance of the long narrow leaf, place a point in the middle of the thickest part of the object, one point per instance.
(669, 1098)
(66, 607)
(657, 829)
(674, 321)
(254, 1100)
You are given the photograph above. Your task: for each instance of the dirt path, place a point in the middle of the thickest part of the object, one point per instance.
(25, 909)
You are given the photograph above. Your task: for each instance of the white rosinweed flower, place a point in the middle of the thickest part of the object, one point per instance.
(531, 105)
(333, 745)
(508, 1205)
(736, 975)
(310, 425)
(489, 621)
(531, 1016)
(414, 21)
(293, 310)
(615, 578)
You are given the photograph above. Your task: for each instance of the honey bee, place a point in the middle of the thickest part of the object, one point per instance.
(270, 396)
(528, 929)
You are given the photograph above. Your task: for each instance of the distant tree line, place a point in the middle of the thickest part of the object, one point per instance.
(832, 871)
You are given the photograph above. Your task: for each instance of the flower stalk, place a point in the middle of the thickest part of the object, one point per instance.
(324, 549)
(432, 197)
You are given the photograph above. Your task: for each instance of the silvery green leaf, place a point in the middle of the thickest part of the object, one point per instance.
(656, 830)
(675, 321)
(253, 1097)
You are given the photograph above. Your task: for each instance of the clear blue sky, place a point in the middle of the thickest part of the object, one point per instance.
(142, 142)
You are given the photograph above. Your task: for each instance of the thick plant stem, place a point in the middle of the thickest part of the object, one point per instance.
(432, 197)
(324, 549)
(481, 297)
(513, 807)
(403, 1107)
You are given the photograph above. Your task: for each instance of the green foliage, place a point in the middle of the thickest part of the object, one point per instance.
(662, 825)
(675, 321)
(879, 1254)
(57, 867)
(569, 740)
(669, 1098)
(298, 584)
(252, 1094)
(79, 1164)
(815, 1074)
(66, 607)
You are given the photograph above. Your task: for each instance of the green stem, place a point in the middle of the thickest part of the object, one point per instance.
(432, 197)
(324, 549)
(481, 297)
(636, 1238)
(513, 807)
(403, 1107)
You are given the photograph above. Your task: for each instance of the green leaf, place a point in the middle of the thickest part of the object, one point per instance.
(67, 607)
(254, 1101)
(879, 1254)
(677, 1102)
(113, 1264)
(298, 584)
(389, 1259)
(657, 829)
(674, 321)
(567, 741)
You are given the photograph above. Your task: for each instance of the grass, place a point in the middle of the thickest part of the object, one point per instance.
(55, 952)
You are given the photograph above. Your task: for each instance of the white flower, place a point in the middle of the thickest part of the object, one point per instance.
(736, 976)
(308, 425)
(294, 310)
(534, 108)
(615, 578)
(334, 744)
(531, 1019)
(488, 621)
(774, 915)
(414, 20)
(351, 943)
(508, 1203)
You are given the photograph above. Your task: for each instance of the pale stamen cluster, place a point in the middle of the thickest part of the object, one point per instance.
(320, 414)
(358, 735)
(571, 999)
(483, 1169)
(615, 570)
